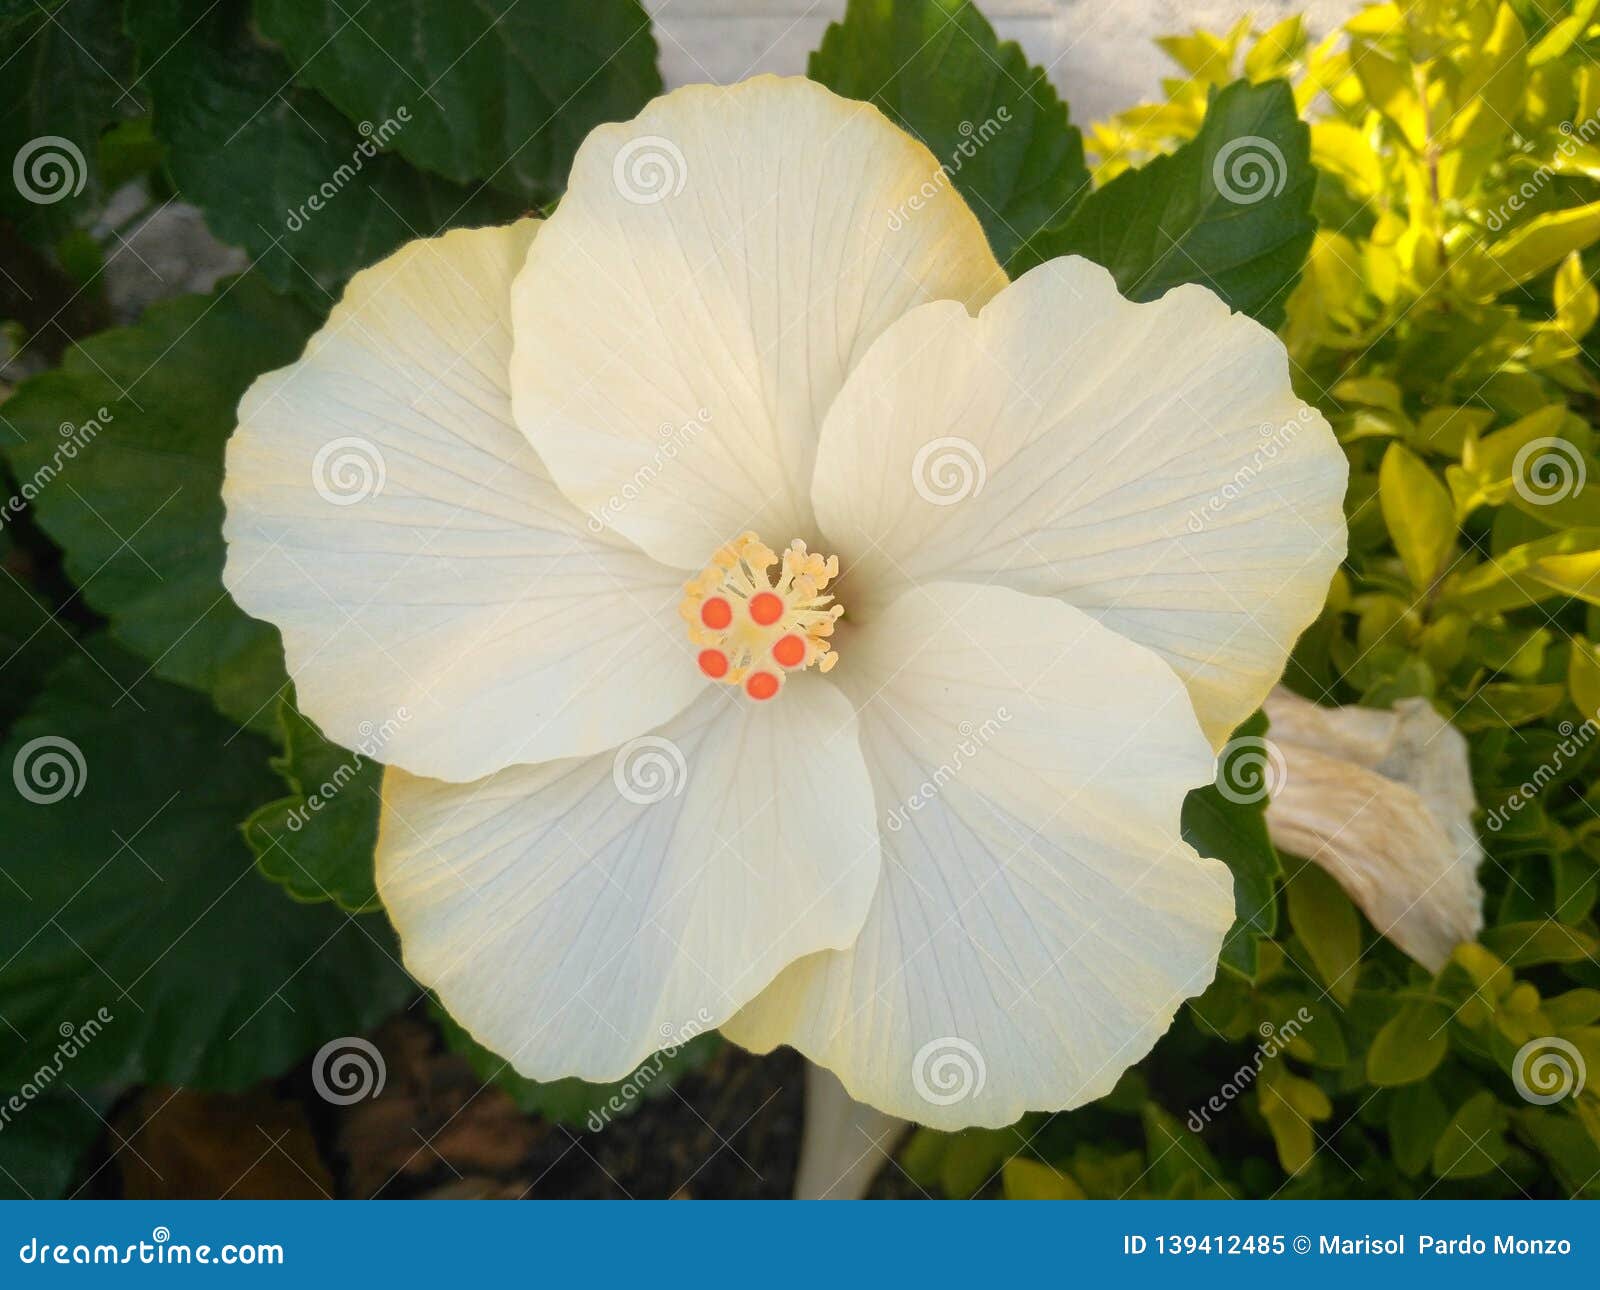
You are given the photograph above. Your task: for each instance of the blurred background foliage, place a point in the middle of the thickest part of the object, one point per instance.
(1426, 251)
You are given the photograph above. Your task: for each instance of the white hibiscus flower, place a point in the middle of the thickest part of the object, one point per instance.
(904, 790)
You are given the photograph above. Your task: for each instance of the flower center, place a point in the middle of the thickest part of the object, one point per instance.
(753, 630)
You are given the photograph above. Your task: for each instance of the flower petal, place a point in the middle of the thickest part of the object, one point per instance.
(1147, 463)
(1384, 802)
(716, 267)
(1039, 919)
(579, 915)
(428, 578)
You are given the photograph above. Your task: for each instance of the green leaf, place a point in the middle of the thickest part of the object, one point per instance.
(1231, 209)
(67, 74)
(1236, 834)
(501, 93)
(132, 892)
(32, 642)
(1024, 1179)
(1583, 677)
(318, 842)
(276, 168)
(972, 1158)
(993, 120)
(1530, 944)
(577, 1102)
(1530, 572)
(1419, 514)
(1502, 703)
(1474, 1142)
(1291, 1106)
(137, 508)
(1181, 1165)
(1411, 1044)
(1328, 926)
(1559, 1137)
(42, 1143)
(1417, 1118)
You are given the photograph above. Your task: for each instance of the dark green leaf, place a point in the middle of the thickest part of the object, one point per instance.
(65, 74)
(1417, 1117)
(131, 891)
(43, 1138)
(145, 413)
(276, 168)
(1231, 209)
(502, 93)
(32, 643)
(1236, 834)
(319, 840)
(1561, 1140)
(992, 119)
(1181, 1165)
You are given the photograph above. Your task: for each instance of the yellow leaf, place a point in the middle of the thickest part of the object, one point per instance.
(1419, 513)
(1583, 678)
(1577, 302)
(1024, 1179)
(1391, 89)
(1491, 90)
(1340, 149)
(1559, 39)
(1276, 50)
(1524, 574)
(1540, 244)
(1446, 429)
(1493, 458)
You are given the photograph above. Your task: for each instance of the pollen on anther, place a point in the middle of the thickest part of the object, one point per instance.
(766, 608)
(752, 625)
(790, 651)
